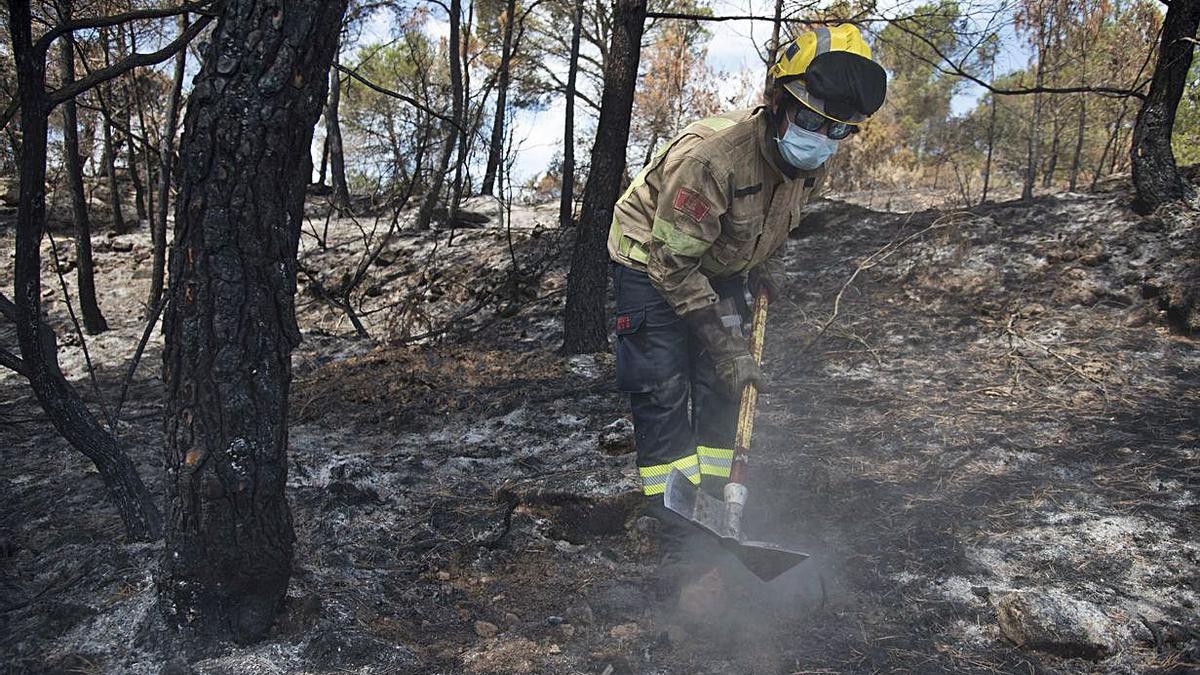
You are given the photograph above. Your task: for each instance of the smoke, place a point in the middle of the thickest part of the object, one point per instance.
(722, 606)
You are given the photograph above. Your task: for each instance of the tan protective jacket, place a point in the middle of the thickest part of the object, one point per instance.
(715, 201)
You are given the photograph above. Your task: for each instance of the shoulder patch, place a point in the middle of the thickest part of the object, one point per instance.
(692, 204)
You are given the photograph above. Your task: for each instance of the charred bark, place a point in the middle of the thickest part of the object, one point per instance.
(566, 203)
(58, 399)
(1155, 174)
(584, 326)
(85, 277)
(496, 145)
(231, 326)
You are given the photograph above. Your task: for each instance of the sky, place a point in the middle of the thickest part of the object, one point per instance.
(731, 52)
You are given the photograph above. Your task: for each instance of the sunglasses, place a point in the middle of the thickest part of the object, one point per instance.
(810, 120)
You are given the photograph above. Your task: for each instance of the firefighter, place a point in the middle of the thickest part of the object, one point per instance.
(703, 222)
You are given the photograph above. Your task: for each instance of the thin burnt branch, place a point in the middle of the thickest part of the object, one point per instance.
(353, 72)
(87, 23)
(129, 63)
(98, 77)
(956, 69)
(87, 356)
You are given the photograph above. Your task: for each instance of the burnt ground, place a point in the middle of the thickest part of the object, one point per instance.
(997, 406)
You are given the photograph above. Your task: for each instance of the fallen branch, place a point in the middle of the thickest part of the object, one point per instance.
(1075, 369)
(870, 261)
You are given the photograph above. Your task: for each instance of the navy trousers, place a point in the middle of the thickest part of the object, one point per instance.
(682, 416)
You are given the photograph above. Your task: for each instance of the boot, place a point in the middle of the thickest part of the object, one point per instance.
(688, 557)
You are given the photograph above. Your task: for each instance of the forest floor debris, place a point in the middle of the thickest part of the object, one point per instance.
(997, 409)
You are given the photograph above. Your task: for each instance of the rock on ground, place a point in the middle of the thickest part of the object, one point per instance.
(1053, 622)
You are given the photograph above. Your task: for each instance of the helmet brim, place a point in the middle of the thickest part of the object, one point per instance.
(842, 86)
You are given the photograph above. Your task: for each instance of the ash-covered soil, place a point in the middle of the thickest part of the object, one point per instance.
(997, 427)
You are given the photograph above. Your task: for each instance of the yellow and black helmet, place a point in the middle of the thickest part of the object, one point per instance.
(829, 69)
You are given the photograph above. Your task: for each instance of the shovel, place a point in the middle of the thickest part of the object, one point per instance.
(724, 518)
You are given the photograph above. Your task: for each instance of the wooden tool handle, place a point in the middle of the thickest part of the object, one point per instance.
(745, 425)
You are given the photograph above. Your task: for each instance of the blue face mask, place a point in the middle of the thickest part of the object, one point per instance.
(805, 150)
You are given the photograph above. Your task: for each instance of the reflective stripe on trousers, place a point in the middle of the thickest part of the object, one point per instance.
(682, 416)
(654, 478)
(715, 461)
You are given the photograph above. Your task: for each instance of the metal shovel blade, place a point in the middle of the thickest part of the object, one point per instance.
(765, 560)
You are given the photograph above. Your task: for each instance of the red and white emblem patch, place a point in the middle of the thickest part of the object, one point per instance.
(692, 204)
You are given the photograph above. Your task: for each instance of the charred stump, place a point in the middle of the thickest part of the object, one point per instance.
(584, 326)
(231, 327)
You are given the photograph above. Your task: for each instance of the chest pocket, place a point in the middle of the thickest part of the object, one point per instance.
(741, 226)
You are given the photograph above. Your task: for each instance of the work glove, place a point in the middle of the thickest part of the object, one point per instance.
(766, 276)
(719, 328)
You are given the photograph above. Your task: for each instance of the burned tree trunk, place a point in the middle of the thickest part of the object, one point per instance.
(333, 140)
(85, 277)
(1155, 174)
(62, 403)
(459, 61)
(1035, 130)
(429, 203)
(231, 327)
(583, 322)
(1108, 145)
(566, 204)
(496, 145)
(991, 146)
(1052, 161)
(128, 97)
(131, 160)
(144, 145)
(110, 146)
(1080, 128)
(109, 162)
(166, 166)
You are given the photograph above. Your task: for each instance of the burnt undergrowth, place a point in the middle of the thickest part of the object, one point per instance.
(997, 406)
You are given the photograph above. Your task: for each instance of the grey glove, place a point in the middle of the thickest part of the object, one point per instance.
(718, 327)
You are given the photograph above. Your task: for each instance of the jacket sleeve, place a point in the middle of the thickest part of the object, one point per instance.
(687, 220)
